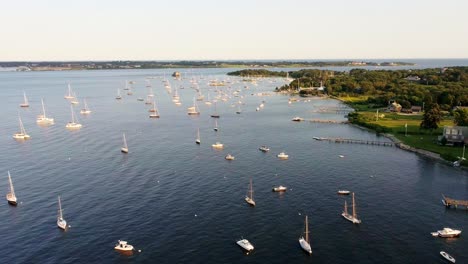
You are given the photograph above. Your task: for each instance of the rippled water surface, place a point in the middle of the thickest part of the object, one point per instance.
(184, 203)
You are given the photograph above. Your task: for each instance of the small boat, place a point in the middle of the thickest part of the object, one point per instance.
(297, 119)
(140, 99)
(353, 218)
(74, 100)
(22, 134)
(341, 156)
(124, 247)
(257, 109)
(118, 97)
(264, 148)
(449, 232)
(447, 256)
(154, 111)
(25, 102)
(193, 110)
(73, 124)
(124, 149)
(85, 110)
(343, 192)
(217, 145)
(249, 197)
(280, 188)
(283, 156)
(229, 157)
(435, 234)
(238, 109)
(198, 141)
(11, 196)
(61, 222)
(304, 240)
(245, 244)
(43, 119)
(216, 126)
(70, 94)
(215, 113)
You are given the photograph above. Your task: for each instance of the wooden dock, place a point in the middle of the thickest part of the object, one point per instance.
(448, 202)
(328, 121)
(359, 141)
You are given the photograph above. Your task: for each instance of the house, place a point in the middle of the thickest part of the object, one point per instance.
(406, 110)
(416, 109)
(413, 78)
(394, 107)
(455, 135)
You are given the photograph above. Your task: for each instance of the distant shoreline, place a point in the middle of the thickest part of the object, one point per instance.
(109, 65)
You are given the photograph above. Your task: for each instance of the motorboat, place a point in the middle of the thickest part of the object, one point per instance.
(280, 188)
(449, 232)
(447, 256)
(229, 157)
(297, 119)
(218, 145)
(245, 244)
(343, 192)
(283, 155)
(264, 148)
(124, 247)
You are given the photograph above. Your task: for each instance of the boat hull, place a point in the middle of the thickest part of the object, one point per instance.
(305, 246)
(62, 224)
(124, 150)
(447, 256)
(351, 218)
(250, 201)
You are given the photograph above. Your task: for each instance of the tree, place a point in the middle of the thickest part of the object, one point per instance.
(461, 117)
(431, 118)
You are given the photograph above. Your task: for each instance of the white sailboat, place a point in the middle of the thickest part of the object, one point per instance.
(304, 240)
(193, 110)
(198, 141)
(25, 101)
(124, 149)
(73, 124)
(238, 109)
(11, 196)
(85, 110)
(22, 134)
(249, 197)
(43, 119)
(154, 111)
(70, 94)
(118, 97)
(61, 222)
(353, 218)
(215, 113)
(74, 100)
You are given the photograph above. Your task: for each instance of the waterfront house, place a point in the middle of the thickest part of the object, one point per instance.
(394, 107)
(416, 109)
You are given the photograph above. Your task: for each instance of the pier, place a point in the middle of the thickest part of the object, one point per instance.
(328, 121)
(448, 202)
(358, 141)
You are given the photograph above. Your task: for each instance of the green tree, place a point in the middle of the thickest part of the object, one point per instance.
(431, 118)
(461, 117)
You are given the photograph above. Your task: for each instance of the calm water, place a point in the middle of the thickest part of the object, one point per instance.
(183, 203)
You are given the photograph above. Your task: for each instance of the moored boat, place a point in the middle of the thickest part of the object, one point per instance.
(447, 256)
(245, 244)
(264, 148)
(217, 145)
(229, 157)
(11, 196)
(352, 218)
(448, 232)
(304, 240)
(124, 247)
(283, 156)
(61, 222)
(280, 188)
(249, 197)
(343, 192)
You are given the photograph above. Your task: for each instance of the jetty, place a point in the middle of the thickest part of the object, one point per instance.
(357, 141)
(448, 202)
(328, 121)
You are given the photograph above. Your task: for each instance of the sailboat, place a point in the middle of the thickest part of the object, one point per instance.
(70, 94)
(353, 218)
(249, 197)
(74, 100)
(61, 223)
(215, 114)
(193, 110)
(85, 110)
(124, 149)
(22, 134)
(238, 109)
(11, 197)
(73, 124)
(198, 141)
(43, 119)
(118, 97)
(216, 126)
(154, 111)
(208, 102)
(304, 240)
(25, 102)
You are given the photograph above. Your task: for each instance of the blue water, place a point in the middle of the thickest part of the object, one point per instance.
(183, 203)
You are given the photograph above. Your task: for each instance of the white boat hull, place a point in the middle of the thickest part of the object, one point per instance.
(62, 224)
(351, 218)
(447, 256)
(124, 150)
(305, 246)
(250, 201)
(245, 244)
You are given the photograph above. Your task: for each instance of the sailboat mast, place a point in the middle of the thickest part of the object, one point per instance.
(60, 208)
(125, 141)
(73, 116)
(198, 134)
(43, 108)
(306, 229)
(12, 190)
(25, 98)
(345, 207)
(354, 208)
(23, 131)
(251, 190)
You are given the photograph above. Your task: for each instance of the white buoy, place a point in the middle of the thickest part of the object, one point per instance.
(195, 215)
(139, 250)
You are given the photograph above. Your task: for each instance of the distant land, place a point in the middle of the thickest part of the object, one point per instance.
(106, 65)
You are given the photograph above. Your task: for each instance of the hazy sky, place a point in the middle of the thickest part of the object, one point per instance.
(232, 29)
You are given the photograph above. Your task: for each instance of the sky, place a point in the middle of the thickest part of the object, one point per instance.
(39, 30)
